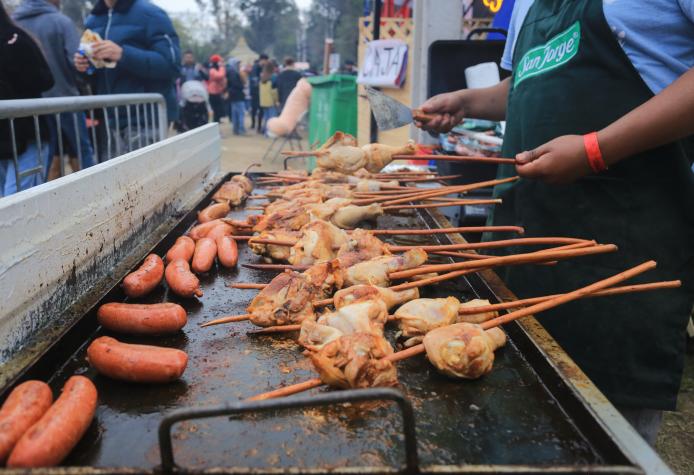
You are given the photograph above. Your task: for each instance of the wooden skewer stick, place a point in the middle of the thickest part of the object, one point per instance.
(415, 232)
(443, 204)
(492, 244)
(232, 318)
(506, 260)
(452, 247)
(625, 289)
(446, 190)
(462, 229)
(275, 267)
(532, 309)
(455, 158)
(247, 286)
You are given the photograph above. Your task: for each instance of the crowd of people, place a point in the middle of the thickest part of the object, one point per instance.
(41, 56)
(235, 90)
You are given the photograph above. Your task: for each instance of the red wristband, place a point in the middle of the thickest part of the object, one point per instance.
(590, 142)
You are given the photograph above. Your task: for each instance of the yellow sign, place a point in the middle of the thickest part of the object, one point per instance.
(493, 5)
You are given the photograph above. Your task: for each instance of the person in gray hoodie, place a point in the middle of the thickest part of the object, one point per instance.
(59, 40)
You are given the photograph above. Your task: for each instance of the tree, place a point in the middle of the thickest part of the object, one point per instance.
(272, 25)
(77, 10)
(226, 20)
(337, 19)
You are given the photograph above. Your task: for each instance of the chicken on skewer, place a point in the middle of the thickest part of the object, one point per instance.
(418, 317)
(461, 351)
(290, 296)
(367, 316)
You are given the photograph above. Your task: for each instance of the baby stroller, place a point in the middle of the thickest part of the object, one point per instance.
(194, 106)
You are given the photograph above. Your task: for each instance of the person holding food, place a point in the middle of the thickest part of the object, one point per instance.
(598, 108)
(139, 47)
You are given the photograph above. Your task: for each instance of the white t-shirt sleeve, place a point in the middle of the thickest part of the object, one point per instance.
(520, 11)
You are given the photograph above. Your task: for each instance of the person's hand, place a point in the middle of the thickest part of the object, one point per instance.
(107, 50)
(447, 109)
(81, 62)
(561, 160)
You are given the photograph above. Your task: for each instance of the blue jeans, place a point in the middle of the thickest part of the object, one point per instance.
(27, 160)
(67, 124)
(268, 113)
(238, 114)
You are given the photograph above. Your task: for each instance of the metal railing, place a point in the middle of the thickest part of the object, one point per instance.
(130, 121)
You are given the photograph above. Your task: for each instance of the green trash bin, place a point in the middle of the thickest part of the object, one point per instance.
(333, 108)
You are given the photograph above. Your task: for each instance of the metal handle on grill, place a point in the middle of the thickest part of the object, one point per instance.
(336, 397)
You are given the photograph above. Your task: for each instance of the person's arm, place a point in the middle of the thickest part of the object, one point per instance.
(71, 38)
(450, 108)
(159, 61)
(666, 117)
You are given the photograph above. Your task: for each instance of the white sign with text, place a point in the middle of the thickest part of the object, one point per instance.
(385, 64)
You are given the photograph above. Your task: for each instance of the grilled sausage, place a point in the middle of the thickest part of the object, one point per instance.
(25, 405)
(181, 280)
(205, 252)
(183, 248)
(142, 319)
(52, 438)
(201, 230)
(214, 211)
(146, 278)
(136, 363)
(220, 230)
(227, 251)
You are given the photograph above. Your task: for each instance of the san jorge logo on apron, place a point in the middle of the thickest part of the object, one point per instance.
(557, 51)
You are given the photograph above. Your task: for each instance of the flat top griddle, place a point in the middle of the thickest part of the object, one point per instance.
(511, 417)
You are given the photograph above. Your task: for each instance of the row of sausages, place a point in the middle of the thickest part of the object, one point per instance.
(35, 431)
(155, 364)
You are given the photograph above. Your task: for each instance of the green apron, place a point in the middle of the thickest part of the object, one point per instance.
(572, 77)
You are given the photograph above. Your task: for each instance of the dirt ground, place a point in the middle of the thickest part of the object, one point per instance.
(240, 151)
(676, 440)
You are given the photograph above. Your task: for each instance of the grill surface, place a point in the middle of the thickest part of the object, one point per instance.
(510, 417)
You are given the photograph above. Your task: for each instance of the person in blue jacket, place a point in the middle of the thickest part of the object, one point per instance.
(141, 39)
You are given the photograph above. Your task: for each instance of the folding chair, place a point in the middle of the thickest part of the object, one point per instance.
(293, 138)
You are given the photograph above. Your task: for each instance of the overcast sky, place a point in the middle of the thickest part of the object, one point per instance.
(183, 5)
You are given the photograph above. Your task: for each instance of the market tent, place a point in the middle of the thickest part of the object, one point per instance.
(243, 52)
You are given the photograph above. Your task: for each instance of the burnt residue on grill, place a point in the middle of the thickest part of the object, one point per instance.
(509, 417)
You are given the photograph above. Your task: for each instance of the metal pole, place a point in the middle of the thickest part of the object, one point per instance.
(117, 134)
(137, 119)
(129, 129)
(373, 128)
(15, 158)
(107, 126)
(78, 139)
(163, 120)
(61, 154)
(96, 148)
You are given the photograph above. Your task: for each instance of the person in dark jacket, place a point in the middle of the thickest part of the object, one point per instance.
(254, 89)
(24, 74)
(141, 39)
(59, 40)
(286, 80)
(191, 70)
(236, 81)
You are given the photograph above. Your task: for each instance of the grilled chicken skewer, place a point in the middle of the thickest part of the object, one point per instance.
(461, 350)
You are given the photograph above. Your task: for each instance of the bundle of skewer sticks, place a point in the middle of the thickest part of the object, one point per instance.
(456, 270)
(600, 288)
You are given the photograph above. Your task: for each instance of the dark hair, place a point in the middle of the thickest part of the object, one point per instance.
(263, 56)
(288, 61)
